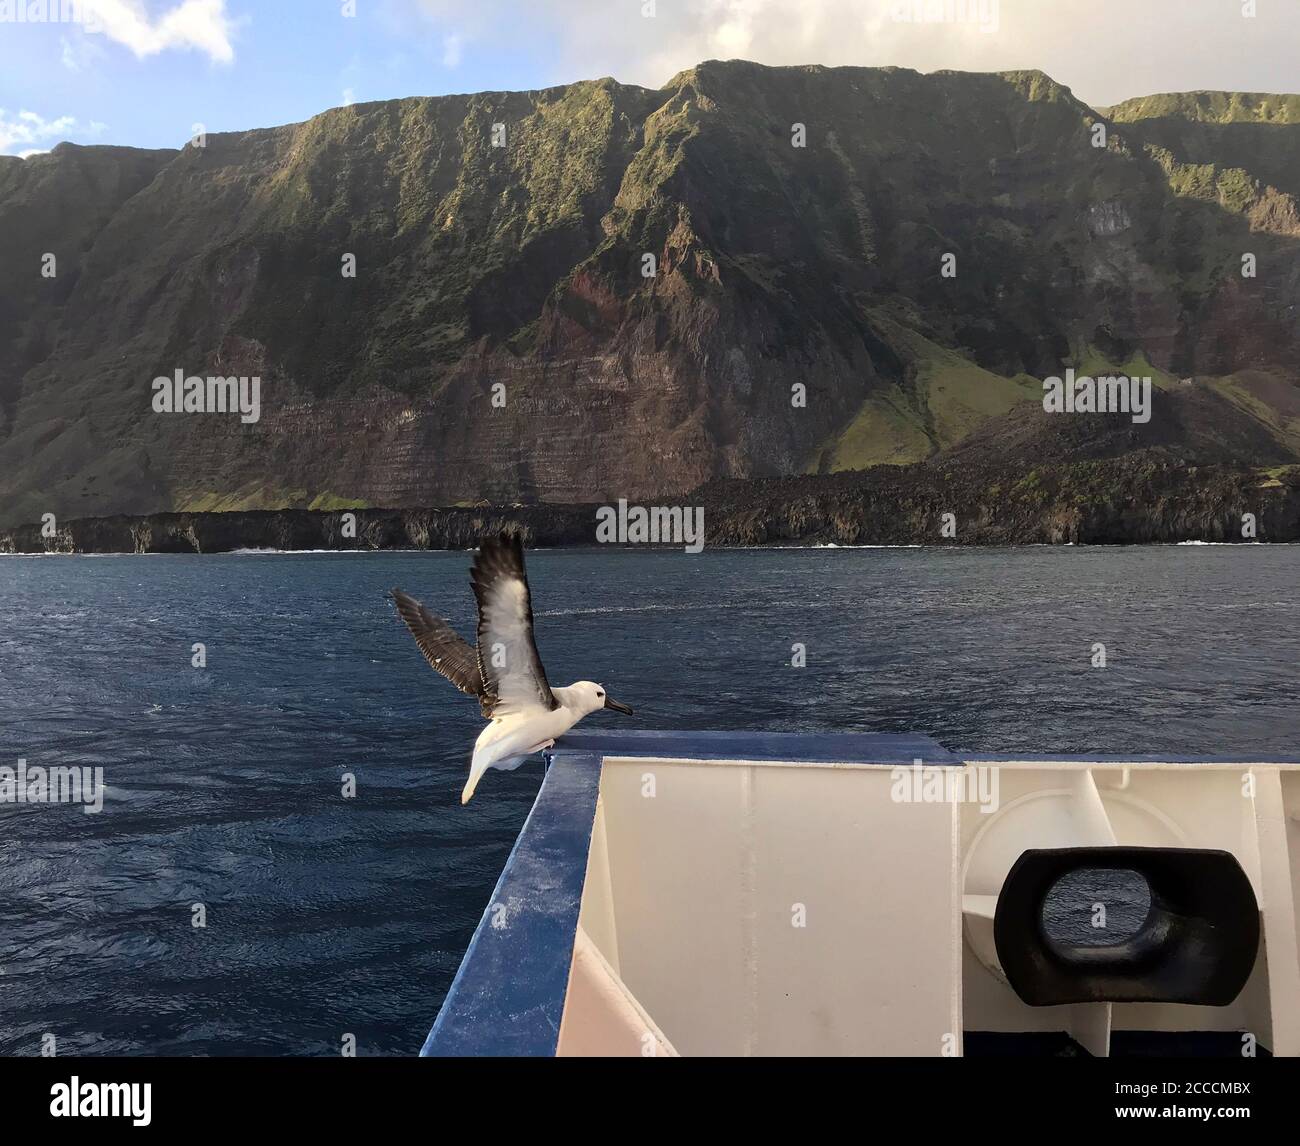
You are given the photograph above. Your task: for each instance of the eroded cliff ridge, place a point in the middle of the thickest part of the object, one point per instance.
(500, 340)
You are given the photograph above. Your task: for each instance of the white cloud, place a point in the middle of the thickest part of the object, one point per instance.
(349, 97)
(78, 52)
(27, 130)
(1100, 48)
(197, 25)
(452, 46)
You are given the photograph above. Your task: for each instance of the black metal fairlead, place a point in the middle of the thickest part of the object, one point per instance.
(1198, 944)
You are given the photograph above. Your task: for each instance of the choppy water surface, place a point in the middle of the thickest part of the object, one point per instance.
(328, 916)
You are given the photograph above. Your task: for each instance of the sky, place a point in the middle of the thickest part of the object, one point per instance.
(146, 72)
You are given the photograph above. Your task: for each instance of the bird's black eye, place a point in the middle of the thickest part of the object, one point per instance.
(599, 694)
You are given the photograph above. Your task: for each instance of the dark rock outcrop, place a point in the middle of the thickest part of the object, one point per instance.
(297, 529)
(1140, 497)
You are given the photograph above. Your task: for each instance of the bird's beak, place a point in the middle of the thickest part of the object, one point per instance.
(610, 702)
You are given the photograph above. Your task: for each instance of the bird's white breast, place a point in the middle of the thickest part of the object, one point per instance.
(520, 733)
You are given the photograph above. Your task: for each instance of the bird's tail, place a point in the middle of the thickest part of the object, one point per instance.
(476, 769)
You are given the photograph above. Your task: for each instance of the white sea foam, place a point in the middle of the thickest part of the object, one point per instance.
(254, 552)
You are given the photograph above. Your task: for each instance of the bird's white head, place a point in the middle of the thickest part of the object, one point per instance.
(587, 696)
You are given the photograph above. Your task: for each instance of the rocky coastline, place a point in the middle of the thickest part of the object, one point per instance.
(1119, 501)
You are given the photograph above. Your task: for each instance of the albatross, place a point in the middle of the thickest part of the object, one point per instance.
(524, 713)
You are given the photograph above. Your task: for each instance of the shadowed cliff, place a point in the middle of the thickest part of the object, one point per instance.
(516, 272)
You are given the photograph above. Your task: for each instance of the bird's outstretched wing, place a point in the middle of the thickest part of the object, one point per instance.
(513, 676)
(448, 652)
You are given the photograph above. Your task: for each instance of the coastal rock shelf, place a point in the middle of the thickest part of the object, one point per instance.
(1129, 500)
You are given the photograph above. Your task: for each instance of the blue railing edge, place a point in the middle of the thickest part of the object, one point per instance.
(508, 995)
(788, 747)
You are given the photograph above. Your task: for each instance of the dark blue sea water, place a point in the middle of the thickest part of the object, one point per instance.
(329, 916)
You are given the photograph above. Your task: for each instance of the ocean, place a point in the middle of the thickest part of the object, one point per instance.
(329, 915)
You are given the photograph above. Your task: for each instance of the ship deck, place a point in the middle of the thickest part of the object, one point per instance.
(625, 919)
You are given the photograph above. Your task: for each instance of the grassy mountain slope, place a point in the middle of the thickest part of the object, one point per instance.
(517, 271)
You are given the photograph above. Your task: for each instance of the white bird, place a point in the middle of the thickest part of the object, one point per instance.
(524, 713)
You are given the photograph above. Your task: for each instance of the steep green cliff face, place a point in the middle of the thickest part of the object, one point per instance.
(515, 274)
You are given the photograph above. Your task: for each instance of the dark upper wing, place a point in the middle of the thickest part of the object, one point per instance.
(443, 648)
(513, 676)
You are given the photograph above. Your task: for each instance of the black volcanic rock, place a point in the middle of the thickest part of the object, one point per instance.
(1147, 496)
